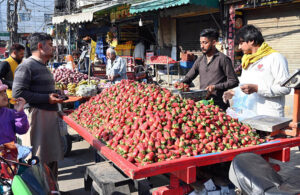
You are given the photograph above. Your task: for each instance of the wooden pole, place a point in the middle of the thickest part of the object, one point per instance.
(168, 70)
(89, 71)
(56, 42)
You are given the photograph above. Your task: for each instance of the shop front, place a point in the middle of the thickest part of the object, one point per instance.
(279, 23)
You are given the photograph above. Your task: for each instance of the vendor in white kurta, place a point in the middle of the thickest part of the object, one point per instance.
(263, 71)
(116, 66)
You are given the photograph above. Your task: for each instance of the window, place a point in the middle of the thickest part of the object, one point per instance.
(48, 18)
(24, 17)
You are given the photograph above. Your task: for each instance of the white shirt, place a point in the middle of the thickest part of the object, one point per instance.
(117, 67)
(268, 73)
(139, 51)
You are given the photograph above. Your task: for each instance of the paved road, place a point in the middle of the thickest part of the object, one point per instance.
(72, 168)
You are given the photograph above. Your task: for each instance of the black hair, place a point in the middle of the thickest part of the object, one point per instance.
(250, 33)
(16, 47)
(210, 33)
(36, 38)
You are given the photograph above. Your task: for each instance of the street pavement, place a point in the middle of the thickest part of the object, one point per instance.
(72, 168)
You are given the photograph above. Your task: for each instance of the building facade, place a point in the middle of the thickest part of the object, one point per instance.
(33, 16)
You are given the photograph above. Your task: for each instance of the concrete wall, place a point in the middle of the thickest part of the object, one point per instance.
(167, 36)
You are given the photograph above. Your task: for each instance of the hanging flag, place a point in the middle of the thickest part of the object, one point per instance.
(93, 50)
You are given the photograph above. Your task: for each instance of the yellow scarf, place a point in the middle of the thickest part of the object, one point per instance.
(262, 51)
(13, 66)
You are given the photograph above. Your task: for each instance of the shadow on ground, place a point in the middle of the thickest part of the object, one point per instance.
(72, 168)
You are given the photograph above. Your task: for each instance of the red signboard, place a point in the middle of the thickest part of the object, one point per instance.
(231, 32)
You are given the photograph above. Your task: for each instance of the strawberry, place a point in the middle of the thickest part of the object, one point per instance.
(136, 119)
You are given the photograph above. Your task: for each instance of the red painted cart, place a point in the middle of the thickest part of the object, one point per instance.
(184, 169)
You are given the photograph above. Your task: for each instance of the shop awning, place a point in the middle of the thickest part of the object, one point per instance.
(58, 19)
(74, 18)
(163, 4)
(86, 15)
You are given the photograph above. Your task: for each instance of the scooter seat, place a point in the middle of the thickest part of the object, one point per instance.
(254, 175)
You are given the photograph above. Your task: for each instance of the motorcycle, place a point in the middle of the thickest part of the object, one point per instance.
(252, 175)
(20, 177)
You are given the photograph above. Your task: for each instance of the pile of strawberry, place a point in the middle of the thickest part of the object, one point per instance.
(182, 86)
(145, 123)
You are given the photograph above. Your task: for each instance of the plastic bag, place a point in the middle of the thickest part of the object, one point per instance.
(244, 105)
(86, 90)
(23, 151)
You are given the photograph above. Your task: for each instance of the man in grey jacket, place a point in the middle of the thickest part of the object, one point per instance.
(215, 69)
(35, 83)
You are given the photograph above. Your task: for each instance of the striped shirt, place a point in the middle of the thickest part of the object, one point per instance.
(34, 82)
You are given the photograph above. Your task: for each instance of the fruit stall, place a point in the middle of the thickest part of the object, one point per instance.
(74, 88)
(144, 130)
(166, 61)
(74, 83)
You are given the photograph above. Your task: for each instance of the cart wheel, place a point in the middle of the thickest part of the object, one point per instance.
(67, 144)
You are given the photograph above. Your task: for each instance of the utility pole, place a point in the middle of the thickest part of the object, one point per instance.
(69, 25)
(12, 20)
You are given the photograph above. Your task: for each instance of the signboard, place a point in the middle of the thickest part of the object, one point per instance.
(120, 12)
(259, 3)
(266, 2)
(4, 36)
(231, 32)
(93, 50)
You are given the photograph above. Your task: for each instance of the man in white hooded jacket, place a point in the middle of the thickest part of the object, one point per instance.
(263, 71)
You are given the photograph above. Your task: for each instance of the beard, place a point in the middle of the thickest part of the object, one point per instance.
(207, 50)
(50, 56)
(19, 60)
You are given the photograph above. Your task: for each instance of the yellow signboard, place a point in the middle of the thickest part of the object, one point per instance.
(93, 50)
(120, 12)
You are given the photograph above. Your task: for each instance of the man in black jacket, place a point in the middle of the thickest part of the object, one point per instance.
(9, 65)
(215, 69)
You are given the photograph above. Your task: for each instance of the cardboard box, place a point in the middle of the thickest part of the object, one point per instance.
(187, 56)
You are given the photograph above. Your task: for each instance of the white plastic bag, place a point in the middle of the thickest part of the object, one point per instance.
(86, 90)
(244, 105)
